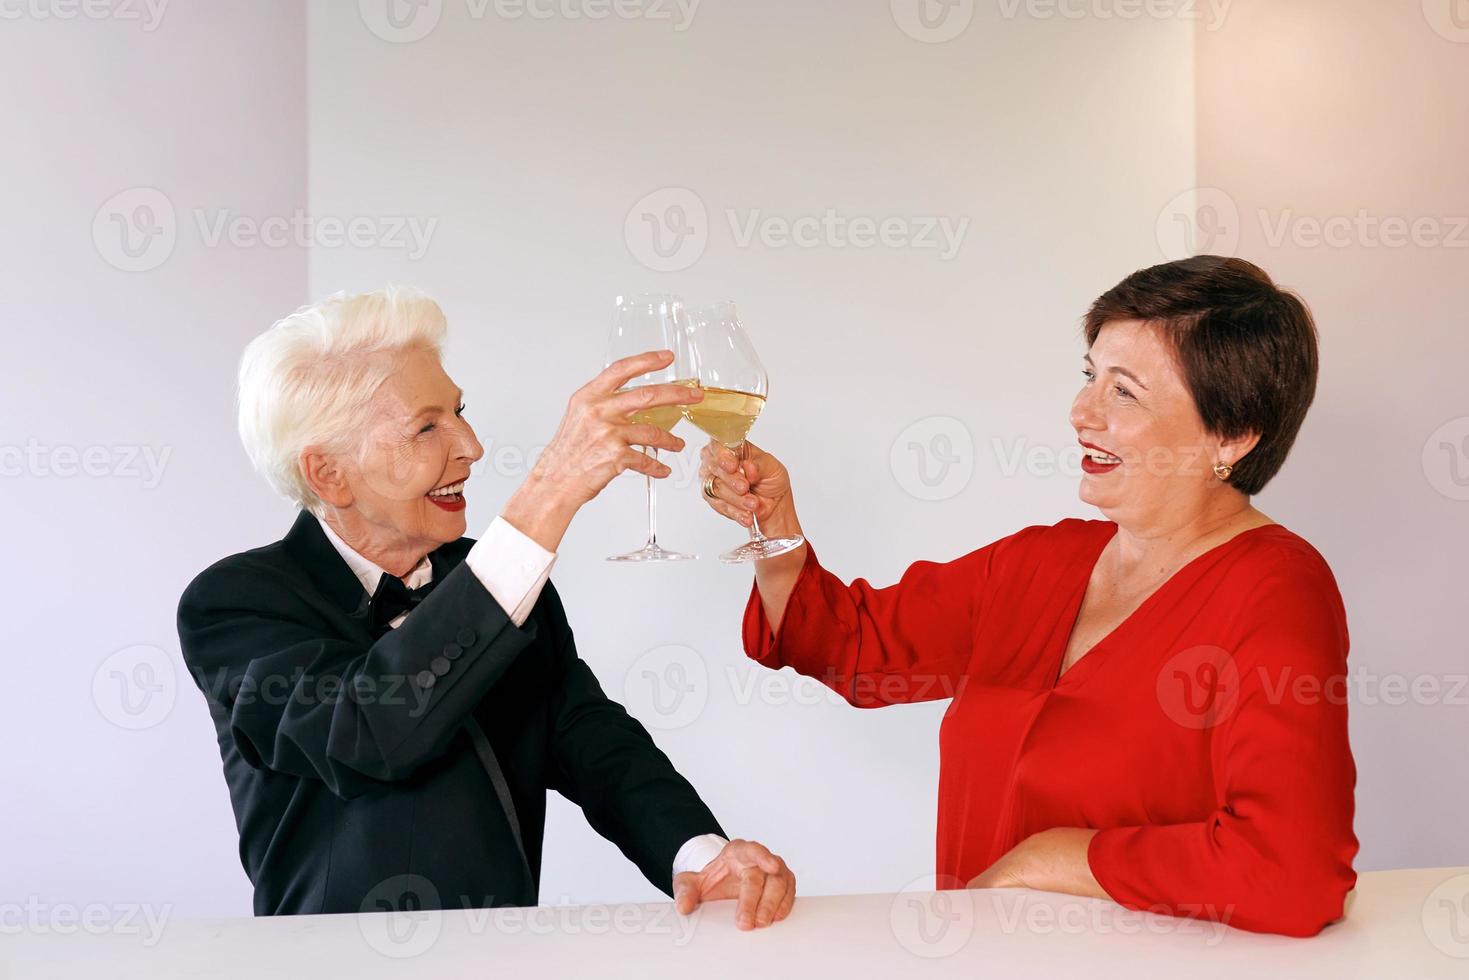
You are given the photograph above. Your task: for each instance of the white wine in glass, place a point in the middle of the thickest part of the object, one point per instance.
(664, 417)
(735, 386)
(725, 415)
(640, 323)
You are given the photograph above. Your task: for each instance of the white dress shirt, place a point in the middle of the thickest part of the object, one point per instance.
(513, 569)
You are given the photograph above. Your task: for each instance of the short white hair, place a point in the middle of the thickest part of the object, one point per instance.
(309, 379)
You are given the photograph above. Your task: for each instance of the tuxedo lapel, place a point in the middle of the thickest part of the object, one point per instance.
(448, 557)
(307, 544)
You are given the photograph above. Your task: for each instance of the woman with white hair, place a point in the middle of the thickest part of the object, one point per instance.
(383, 756)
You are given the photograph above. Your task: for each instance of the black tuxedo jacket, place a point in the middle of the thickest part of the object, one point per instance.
(355, 785)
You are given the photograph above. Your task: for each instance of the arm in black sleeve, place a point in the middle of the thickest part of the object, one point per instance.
(297, 698)
(604, 761)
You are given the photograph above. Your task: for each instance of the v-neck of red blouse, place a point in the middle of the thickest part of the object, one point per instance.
(1085, 565)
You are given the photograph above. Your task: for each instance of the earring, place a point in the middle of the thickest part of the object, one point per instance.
(1222, 470)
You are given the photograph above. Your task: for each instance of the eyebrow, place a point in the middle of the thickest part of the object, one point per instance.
(1119, 370)
(435, 409)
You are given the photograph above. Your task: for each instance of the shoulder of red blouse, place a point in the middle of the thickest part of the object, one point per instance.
(1269, 557)
(1273, 559)
(1288, 591)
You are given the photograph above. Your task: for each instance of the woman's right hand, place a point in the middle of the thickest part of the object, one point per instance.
(597, 438)
(761, 481)
(594, 443)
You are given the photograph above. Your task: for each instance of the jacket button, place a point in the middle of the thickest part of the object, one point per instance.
(466, 637)
(453, 651)
(439, 666)
(425, 678)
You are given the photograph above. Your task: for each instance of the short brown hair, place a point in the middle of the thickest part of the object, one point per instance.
(1247, 349)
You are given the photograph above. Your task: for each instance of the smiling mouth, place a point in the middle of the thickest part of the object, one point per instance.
(450, 496)
(1101, 456)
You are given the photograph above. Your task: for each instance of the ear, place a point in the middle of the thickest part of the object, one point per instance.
(1233, 450)
(326, 476)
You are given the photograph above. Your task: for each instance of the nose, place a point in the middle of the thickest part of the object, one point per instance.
(1085, 412)
(468, 446)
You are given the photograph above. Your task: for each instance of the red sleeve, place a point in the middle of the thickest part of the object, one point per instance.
(1276, 855)
(904, 643)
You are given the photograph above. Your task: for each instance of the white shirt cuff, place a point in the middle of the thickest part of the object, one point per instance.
(697, 852)
(511, 567)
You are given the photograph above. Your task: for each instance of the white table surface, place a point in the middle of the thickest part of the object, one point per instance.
(1399, 924)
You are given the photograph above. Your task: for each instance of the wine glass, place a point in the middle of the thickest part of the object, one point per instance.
(735, 385)
(640, 323)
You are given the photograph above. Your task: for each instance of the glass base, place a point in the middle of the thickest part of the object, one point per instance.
(652, 552)
(761, 549)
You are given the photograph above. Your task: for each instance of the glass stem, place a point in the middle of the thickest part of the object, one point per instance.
(652, 503)
(755, 533)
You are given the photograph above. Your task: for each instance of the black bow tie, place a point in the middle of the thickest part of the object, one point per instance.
(392, 598)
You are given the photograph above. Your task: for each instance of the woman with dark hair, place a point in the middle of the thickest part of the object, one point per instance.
(1147, 707)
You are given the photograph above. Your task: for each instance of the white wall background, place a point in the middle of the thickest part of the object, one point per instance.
(525, 144)
(199, 113)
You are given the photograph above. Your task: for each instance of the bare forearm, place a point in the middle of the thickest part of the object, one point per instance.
(1056, 862)
(776, 577)
(540, 512)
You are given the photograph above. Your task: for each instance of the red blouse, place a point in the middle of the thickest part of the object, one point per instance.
(1206, 736)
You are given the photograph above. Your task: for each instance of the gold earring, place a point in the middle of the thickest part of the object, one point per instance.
(1222, 470)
